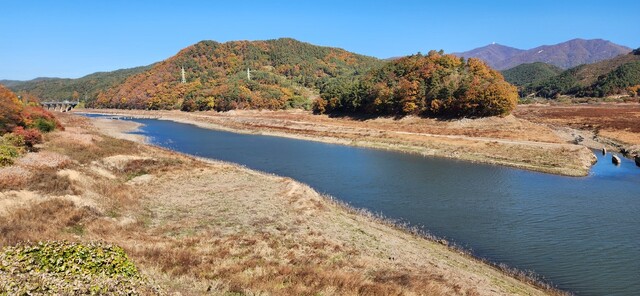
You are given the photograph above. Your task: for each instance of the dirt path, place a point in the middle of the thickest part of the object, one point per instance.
(503, 141)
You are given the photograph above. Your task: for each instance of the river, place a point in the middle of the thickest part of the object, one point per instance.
(581, 234)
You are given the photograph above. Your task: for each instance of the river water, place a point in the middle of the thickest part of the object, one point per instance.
(581, 234)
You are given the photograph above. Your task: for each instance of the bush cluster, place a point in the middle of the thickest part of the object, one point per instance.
(21, 126)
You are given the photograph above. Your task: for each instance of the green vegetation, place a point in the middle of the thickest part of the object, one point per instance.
(530, 73)
(618, 81)
(617, 76)
(58, 89)
(67, 268)
(284, 73)
(432, 85)
(69, 258)
(8, 152)
(565, 82)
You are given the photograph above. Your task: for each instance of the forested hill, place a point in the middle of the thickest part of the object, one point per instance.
(530, 73)
(436, 85)
(283, 73)
(617, 76)
(58, 89)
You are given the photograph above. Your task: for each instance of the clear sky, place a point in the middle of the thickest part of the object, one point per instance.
(74, 38)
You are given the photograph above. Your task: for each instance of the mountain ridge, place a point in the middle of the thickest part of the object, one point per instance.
(565, 55)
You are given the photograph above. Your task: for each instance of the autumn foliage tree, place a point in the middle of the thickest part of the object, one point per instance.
(427, 85)
(10, 110)
(24, 121)
(21, 126)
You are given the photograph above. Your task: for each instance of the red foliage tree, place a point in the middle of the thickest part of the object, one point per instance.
(10, 110)
(31, 136)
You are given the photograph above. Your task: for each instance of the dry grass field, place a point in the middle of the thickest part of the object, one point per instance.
(195, 227)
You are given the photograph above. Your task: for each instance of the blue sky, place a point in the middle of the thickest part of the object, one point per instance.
(75, 38)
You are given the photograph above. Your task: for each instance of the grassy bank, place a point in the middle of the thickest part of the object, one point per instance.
(199, 227)
(505, 141)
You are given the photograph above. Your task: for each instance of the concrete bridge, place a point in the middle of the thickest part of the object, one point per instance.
(62, 106)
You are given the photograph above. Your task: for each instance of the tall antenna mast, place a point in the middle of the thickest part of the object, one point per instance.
(184, 80)
(248, 74)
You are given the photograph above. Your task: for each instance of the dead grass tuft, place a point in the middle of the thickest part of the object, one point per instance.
(14, 177)
(46, 220)
(85, 154)
(49, 182)
(138, 167)
(44, 160)
(117, 197)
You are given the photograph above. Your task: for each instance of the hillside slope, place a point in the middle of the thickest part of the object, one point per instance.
(283, 73)
(530, 73)
(564, 55)
(610, 77)
(59, 89)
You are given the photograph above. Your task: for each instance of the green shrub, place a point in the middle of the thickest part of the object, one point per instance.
(12, 139)
(44, 125)
(299, 102)
(7, 154)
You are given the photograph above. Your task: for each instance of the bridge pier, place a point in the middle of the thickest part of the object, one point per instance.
(64, 106)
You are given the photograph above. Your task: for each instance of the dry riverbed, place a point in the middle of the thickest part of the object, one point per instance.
(509, 141)
(205, 227)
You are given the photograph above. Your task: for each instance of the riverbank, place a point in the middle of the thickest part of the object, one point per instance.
(508, 141)
(193, 226)
(608, 125)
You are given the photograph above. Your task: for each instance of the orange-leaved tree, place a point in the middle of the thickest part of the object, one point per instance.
(10, 110)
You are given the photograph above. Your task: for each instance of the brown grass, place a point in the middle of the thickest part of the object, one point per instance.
(47, 181)
(14, 177)
(47, 220)
(217, 228)
(83, 153)
(600, 118)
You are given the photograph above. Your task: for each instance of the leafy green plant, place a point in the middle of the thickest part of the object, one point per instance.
(63, 257)
(7, 154)
(63, 268)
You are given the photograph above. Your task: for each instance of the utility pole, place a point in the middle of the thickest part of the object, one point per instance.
(184, 80)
